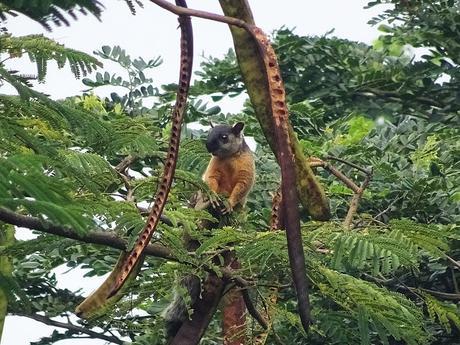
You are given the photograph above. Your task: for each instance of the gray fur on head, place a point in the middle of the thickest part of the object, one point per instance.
(224, 140)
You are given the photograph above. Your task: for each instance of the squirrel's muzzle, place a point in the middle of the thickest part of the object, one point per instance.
(212, 146)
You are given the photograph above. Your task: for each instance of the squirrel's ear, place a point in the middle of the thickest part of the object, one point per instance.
(211, 124)
(237, 128)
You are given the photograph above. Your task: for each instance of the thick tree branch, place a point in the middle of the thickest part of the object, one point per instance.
(96, 237)
(125, 163)
(204, 308)
(73, 328)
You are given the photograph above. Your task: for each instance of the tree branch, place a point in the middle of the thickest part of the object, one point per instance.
(353, 165)
(355, 201)
(252, 309)
(96, 237)
(453, 261)
(183, 11)
(334, 171)
(204, 308)
(72, 327)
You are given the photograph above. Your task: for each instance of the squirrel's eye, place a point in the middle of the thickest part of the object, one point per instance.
(224, 136)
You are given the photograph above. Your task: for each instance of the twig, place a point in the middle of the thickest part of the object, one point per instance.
(121, 170)
(355, 201)
(440, 294)
(200, 14)
(316, 162)
(97, 237)
(253, 310)
(72, 327)
(453, 261)
(357, 167)
(402, 286)
(129, 189)
(244, 284)
(389, 206)
(454, 280)
(145, 211)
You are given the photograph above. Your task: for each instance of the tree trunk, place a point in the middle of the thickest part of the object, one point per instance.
(234, 315)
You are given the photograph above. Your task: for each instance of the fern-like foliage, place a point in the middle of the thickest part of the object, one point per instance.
(387, 313)
(41, 49)
(443, 313)
(380, 249)
(56, 11)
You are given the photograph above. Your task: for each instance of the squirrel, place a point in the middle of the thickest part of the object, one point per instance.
(231, 170)
(230, 173)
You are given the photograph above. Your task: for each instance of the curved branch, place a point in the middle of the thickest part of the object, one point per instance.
(96, 237)
(73, 328)
(355, 201)
(253, 310)
(184, 11)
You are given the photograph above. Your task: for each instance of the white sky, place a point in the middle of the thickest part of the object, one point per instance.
(153, 32)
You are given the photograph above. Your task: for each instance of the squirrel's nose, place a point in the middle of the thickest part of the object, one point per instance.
(211, 146)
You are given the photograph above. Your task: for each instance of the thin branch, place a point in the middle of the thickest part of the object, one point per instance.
(391, 282)
(72, 327)
(5, 59)
(95, 237)
(145, 211)
(355, 201)
(389, 206)
(121, 170)
(453, 261)
(334, 171)
(454, 280)
(183, 11)
(129, 189)
(244, 284)
(439, 294)
(252, 309)
(357, 167)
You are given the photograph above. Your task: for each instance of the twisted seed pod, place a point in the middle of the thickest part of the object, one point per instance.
(285, 156)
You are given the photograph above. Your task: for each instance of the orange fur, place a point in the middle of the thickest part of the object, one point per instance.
(232, 176)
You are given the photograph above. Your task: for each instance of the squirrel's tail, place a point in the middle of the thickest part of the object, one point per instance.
(177, 312)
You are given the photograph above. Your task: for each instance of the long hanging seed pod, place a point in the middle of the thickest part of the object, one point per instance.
(186, 60)
(288, 176)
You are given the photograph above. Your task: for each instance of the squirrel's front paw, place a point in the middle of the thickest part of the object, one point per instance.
(227, 208)
(215, 200)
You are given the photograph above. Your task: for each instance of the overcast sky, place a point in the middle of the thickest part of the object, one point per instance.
(153, 32)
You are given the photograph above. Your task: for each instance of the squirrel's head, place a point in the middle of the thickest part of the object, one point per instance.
(224, 140)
